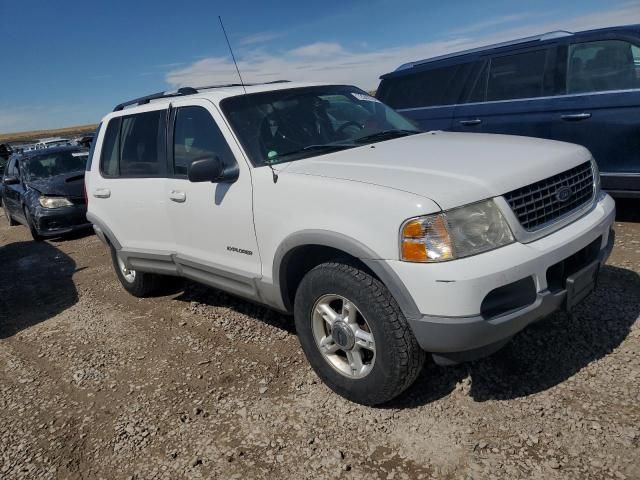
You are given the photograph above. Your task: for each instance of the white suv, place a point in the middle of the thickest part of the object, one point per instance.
(319, 200)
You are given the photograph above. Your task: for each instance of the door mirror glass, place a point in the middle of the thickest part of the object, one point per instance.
(11, 180)
(208, 169)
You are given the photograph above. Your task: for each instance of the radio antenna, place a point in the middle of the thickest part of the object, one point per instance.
(232, 55)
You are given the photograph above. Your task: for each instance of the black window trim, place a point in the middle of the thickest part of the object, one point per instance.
(162, 153)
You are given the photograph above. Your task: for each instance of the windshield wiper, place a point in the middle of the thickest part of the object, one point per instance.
(384, 135)
(319, 147)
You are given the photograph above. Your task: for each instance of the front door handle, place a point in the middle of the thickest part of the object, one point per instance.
(470, 123)
(102, 193)
(575, 117)
(177, 196)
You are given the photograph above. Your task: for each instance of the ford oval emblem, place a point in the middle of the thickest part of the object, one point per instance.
(563, 194)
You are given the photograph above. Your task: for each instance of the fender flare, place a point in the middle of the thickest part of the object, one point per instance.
(355, 248)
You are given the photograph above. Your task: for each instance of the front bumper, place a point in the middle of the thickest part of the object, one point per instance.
(51, 222)
(458, 325)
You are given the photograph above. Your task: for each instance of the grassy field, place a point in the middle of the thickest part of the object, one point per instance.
(37, 134)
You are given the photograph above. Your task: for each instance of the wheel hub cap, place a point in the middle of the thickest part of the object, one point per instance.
(343, 335)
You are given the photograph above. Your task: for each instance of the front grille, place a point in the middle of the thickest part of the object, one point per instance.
(537, 205)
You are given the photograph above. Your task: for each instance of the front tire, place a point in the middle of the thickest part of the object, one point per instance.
(138, 284)
(32, 226)
(354, 335)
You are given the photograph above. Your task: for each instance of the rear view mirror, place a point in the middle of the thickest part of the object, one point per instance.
(205, 170)
(11, 180)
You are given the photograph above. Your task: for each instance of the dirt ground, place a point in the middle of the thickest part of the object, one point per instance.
(196, 384)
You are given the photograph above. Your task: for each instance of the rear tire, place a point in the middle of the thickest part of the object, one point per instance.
(345, 302)
(10, 220)
(138, 284)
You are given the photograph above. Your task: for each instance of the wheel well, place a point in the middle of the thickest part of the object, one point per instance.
(300, 260)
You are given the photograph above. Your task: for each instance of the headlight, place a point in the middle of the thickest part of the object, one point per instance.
(54, 202)
(456, 233)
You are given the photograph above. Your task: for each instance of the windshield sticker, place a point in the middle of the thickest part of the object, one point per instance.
(365, 98)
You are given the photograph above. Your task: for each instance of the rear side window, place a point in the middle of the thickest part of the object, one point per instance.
(141, 145)
(603, 65)
(437, 87)
(134, 146)
(517, 76)
(196, 136)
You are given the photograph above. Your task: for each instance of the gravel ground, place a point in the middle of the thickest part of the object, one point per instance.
(197, 384)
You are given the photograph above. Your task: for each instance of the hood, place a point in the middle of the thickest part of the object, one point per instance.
(65, 185)
(452, 169)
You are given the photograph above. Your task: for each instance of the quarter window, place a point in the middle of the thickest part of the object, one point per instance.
(109, 162)
(603, 65)
(196, 135)
(517, 76)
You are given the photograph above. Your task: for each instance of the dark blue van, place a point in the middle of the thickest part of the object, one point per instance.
(577, 87)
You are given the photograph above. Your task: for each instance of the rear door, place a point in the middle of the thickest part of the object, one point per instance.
(129, 194)
(212, 222)
(427, 97)
(512, 95)
(601, 107)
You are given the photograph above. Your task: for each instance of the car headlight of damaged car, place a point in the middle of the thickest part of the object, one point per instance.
(456, 233)
(54, 202)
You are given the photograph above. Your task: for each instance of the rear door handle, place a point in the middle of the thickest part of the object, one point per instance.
(102, 193)
(470, 123)
(177, 196)
(575, 117)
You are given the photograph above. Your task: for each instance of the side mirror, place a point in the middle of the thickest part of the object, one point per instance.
(205, 170)
(11, 180)
(211, 169)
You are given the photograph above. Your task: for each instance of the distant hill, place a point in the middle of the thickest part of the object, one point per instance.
(37, 134)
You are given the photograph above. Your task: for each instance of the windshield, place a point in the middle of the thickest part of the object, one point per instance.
(45, 166)
(285, 125)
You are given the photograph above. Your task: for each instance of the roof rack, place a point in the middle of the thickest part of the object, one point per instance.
(539, 38)
(185, 91)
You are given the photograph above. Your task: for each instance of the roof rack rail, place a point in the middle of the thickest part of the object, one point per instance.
(155, 96)
(540, 38)
(185, 91)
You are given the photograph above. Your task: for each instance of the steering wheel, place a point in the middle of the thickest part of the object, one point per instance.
(350, 123)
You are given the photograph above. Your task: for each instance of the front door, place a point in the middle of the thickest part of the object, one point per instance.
(212, 222)
(13, 193)
(601, 110)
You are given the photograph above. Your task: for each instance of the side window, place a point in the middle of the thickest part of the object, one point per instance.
(603, 65)
(517, 76)
(196, 135)
(436, 87)
(477, 85)
(141, 145)
(109, 162)
(11, 169)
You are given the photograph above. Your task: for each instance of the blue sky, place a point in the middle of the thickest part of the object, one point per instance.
(69, 62)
